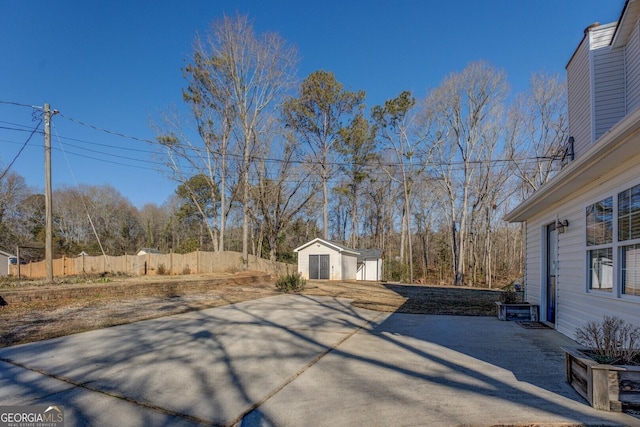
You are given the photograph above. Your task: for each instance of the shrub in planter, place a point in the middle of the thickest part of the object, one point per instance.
(292, 282)
(606, 371)
(611, 340)
(509, 297)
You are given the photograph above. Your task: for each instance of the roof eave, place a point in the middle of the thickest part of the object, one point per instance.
(326, 243)
(601, 157)
(626, 23)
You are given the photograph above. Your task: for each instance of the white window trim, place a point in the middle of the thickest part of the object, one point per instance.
(616, 292)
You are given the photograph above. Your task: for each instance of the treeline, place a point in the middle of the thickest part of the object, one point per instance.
(264, 163)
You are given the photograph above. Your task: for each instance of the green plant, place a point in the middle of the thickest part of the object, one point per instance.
(611, 340)
(292, 282)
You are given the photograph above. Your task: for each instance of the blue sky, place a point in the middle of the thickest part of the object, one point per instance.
(117, 64)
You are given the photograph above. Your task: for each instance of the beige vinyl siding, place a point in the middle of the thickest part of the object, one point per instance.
(632, 58)
(571, 269)
(579, 99)
(609, 88)
(533, 277)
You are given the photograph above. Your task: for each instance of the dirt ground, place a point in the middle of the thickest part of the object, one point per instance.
(24, 322)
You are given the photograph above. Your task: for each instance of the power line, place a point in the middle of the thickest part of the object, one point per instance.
(112, 155)
(37, 107)
(275, 160)
(111, 132)
(4, 173)
(25, 129)
(202, 150)
(109, 161)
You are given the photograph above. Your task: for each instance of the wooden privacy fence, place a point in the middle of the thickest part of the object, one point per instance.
(138, 265)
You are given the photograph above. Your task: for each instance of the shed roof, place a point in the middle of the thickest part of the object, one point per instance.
(149, 251)
(336, 246)
(366, 254)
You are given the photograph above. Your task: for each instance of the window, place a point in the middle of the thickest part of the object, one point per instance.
(629, 214)
(631, 269)
(629, 234)
(599, 241)
(614, 263)
(601, 269)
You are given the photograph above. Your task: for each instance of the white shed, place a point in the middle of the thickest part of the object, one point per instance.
(369, 265)
(5, 261)
(325, 260)
(147, 251)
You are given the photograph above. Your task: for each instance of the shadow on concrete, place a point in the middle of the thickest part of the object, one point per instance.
(261, 361)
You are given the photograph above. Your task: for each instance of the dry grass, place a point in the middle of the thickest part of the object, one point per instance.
(37, 320)
(414, 299)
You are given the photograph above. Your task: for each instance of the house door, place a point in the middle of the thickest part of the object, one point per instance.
(552, 239)
(319, 267)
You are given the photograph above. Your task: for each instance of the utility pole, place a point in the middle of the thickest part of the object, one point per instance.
(48, 240)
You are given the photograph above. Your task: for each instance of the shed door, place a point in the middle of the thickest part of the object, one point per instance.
(319, 267)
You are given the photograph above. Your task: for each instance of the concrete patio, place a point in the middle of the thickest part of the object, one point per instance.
(296, 360)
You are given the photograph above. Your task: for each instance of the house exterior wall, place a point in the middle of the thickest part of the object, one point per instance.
(609, 89)
(596, 85)
(632, 64)
(603, 78)
(575, 304)
(579, 98)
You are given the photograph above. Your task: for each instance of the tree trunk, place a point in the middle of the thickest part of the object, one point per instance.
(325, 205)
(410, 246)
(353, 239)
(245, 199)
(403, 231)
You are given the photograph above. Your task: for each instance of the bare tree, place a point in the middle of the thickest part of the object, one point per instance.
(283, 189)
(95, 218)
(235, 77)
(357, 152)
(392, 121)
(186, 159)
(463, 113)
(317, 115)
(155, 221)
(199, 200)
(377, 210)
(13, 190)
(537, 130)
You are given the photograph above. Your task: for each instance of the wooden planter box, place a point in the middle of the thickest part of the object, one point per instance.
(522, 311)
(605, 387)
